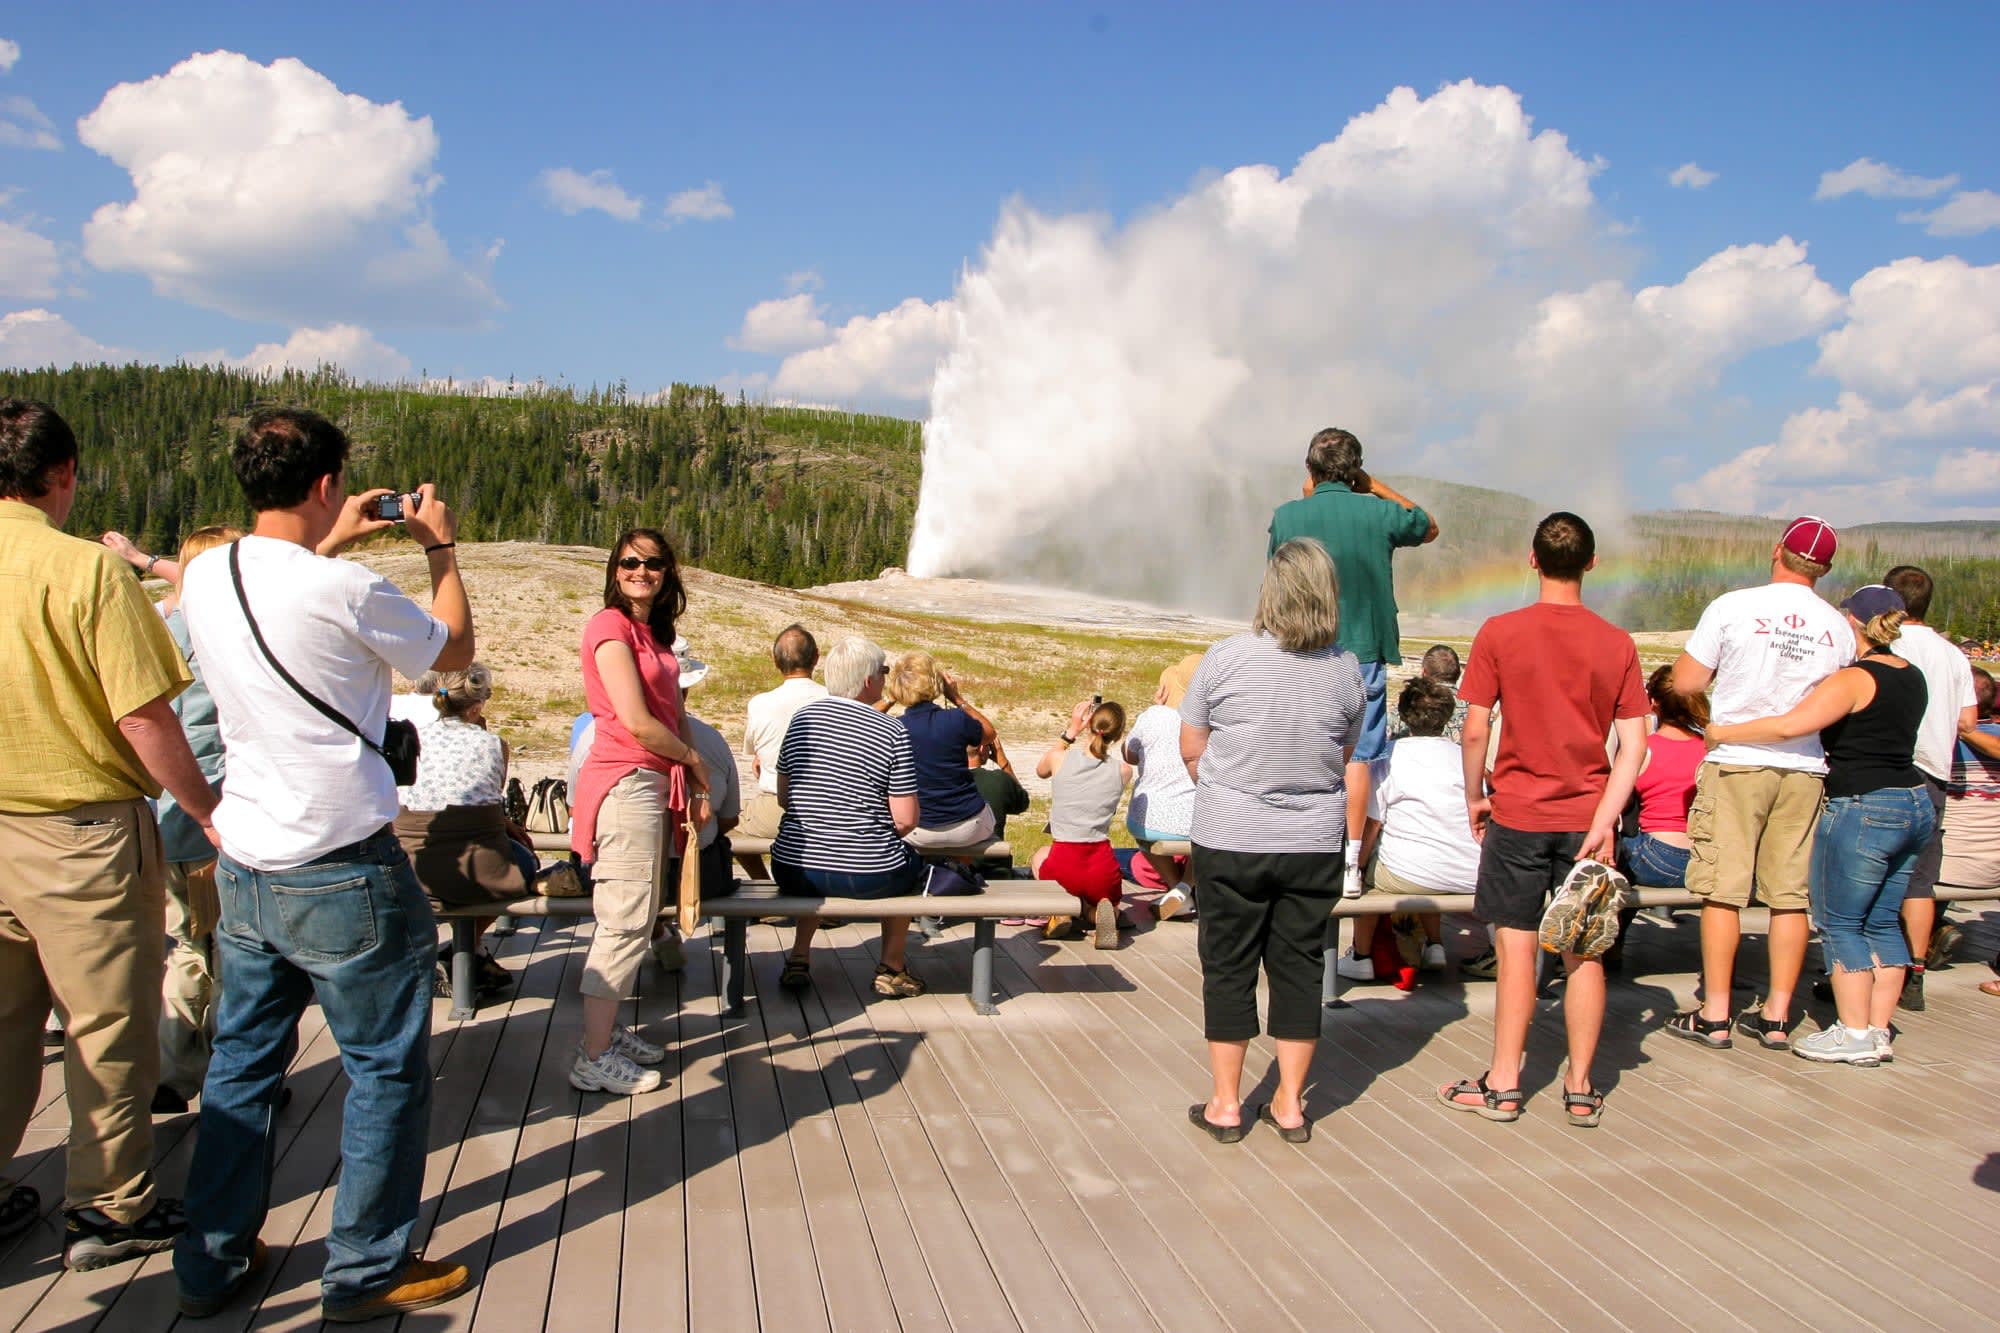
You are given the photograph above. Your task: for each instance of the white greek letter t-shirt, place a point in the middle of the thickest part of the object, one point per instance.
(299, 785)
(1768, 647)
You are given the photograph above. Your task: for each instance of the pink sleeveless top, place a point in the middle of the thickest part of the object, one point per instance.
(1666, 788)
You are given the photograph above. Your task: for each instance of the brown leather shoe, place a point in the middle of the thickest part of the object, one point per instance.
(421, 1284)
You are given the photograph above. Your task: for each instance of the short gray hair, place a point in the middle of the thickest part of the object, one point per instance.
(1299, 605)
(851, 664)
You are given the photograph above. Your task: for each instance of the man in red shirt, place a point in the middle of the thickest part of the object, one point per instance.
(1568, 678)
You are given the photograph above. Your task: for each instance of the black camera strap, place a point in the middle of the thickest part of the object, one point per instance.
(331, 713)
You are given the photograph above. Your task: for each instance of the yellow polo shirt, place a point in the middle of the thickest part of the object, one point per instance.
(80, 647)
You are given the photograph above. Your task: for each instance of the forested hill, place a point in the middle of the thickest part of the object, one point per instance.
(783, 495)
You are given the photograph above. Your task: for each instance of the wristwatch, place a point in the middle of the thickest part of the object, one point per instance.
(151, 560)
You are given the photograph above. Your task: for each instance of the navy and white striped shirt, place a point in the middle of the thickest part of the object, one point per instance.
(1273, 777)
(842, 761)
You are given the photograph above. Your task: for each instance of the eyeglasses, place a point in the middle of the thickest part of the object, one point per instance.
(652, 562)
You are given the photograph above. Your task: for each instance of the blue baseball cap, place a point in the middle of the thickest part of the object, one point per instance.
(1864, 604)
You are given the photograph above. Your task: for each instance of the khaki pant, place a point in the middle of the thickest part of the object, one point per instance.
(187, 1000)
(760, 818)
(81, 907)
(626, 879)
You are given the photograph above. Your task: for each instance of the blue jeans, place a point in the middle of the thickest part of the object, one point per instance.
(806, 883)
(1373, 743)
(353, 930)
(1863, 850)
(1652, 862)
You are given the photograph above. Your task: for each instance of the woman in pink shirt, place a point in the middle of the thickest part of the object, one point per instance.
(1658, 853)
(642, 773)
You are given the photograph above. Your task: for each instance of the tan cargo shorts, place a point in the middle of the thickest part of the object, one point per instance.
(1751, 830)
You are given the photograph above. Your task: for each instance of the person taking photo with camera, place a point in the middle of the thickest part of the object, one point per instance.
(317, 897)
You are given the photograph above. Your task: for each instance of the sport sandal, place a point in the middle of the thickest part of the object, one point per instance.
(1502, 1105)
(897, 985)
(1710, 1032)
(1769, 1032)
(1591, 1104)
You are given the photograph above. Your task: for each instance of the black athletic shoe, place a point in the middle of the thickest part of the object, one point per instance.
(19, 1210)
(1913, 991)
(92, 1240)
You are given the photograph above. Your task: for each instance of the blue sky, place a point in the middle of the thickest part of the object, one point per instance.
(838, 161)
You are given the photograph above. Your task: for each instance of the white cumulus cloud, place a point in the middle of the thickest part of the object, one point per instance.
(264, 191)
(1438, 277)
(1917, 324)
(784, 324)
(34, 339)
(893, 354)
(22, 125)
(29, 264)
(574, 191)
(705, 204)
(355, 350)
(1690, 176)
(10, 55)
(1879, 180)
(1967, 213)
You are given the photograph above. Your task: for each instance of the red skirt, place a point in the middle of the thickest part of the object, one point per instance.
(1087, 869)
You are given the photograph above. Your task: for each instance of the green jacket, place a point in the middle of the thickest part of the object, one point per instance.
(1361, 533)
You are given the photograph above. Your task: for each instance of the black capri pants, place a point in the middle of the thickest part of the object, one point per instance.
(1269, 908)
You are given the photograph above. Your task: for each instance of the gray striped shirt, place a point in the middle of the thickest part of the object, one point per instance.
(1273, 778)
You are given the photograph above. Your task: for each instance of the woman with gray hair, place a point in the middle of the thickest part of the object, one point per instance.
(1268, 726)
(847, 780)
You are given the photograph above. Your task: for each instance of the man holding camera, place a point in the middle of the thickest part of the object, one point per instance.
(318, 899)
(87, 673)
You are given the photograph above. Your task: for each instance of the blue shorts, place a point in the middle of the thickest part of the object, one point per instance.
(1373, 742)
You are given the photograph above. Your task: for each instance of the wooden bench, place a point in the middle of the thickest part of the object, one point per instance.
(1003, 898)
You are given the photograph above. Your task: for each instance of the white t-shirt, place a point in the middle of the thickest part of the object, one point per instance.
(1162, 792)
(1768, 647)
(460, 764)
(769, 714)
(1421, 803)
(725, 790)
(298, 785)
(1949, 676)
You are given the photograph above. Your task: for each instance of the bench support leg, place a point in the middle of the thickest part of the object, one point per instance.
(464, 945)
(735, 945)
(503, 926)
(982, 966)
(1329, 986)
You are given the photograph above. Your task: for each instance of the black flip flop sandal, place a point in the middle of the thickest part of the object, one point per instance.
(1710, 1032)
(1491, 1100)
(1198, 1116)
(1294, 1134)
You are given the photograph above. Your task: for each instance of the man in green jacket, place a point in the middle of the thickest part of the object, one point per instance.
(1360, 521)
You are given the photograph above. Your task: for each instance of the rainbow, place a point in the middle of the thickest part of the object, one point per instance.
(1490, 586)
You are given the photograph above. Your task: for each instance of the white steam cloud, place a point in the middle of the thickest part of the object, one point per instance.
(1119, 408)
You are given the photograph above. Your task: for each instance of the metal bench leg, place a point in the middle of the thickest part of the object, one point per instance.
(464, 945)
(735, 945)
(982, 966)
(1329, 985)
(503, 926)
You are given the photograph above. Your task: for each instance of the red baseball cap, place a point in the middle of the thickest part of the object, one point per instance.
(1810, 538)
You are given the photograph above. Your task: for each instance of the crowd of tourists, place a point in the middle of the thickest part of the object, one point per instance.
(219, 812)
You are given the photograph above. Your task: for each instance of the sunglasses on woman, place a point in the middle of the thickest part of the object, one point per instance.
(651, 562)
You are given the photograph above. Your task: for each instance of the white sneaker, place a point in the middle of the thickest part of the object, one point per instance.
(1837, 1045)
(610, 1072)
(1350, 882)
(1885, 1044)
(1354, 969)
(1172, 903)
(1433, 958)
(635, 1047)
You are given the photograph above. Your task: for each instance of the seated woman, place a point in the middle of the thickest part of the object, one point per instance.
(951, 813)
(1162, 807)
(453, 827)
(1085, 783)
(848, 785)
(1658, 853)
(1416, 824)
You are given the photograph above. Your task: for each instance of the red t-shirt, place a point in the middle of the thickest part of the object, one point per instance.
(614, 752)
(1561, 675)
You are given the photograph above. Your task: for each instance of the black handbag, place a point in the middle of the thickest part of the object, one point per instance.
(399, 747)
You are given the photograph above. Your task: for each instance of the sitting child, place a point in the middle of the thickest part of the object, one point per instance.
(1416, 826)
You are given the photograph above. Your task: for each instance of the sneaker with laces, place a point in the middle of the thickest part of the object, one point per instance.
(609, 1072)
(1172, 903)
(1350, 881)
(1885, 1044)
(1104, 923)
(1836, 1045)
(1486, 967)
(422, 1284)
(1351, 968)
(1433, 959)
(635, 1047)
(92, 1240)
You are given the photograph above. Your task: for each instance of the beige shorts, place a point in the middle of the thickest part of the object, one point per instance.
(1381, 879)
(1750, 833)
(759, 819)
(626, 882)
(973, 832)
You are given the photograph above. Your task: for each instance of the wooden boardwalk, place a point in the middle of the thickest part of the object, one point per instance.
(866, 1165)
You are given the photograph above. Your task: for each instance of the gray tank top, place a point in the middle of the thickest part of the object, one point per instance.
(1083, 795)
